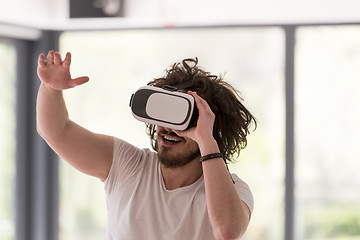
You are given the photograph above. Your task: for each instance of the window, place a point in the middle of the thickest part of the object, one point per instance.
(327, 115)
(7, 140)
(327, 132)
(120, 62)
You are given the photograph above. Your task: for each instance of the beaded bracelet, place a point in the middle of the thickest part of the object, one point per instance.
(210, 156)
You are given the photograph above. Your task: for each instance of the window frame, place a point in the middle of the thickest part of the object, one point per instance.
(36, 194)
(37, 165)
(11, 42)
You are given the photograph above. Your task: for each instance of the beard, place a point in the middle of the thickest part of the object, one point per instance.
(174, 159)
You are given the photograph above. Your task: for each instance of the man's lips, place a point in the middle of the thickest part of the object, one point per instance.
(171, 139)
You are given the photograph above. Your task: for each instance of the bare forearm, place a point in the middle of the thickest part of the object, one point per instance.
(51, 112)
(226, 211)
(88, 152)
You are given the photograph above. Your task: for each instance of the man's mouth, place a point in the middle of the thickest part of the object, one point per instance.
(170, 139)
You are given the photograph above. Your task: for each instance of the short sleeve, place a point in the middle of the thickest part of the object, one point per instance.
(126, 160)
(244, 192)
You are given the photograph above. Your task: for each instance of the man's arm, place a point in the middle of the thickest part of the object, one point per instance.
(88, 152)
(229, 215)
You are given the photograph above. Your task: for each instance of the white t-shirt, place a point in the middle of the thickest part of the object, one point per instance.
(140, 207)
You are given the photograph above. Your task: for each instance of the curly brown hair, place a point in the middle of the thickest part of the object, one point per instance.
(232, 119)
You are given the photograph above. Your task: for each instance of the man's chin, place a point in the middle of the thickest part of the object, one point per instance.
(173, 164)
(175, 160)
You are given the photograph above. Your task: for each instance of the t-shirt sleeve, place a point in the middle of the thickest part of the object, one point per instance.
(126, 159)
(244, 192)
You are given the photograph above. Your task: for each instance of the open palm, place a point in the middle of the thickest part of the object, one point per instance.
(55, 72)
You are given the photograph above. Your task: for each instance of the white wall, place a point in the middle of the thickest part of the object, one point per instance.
(248, 12)
(24, 18)
(34, 13)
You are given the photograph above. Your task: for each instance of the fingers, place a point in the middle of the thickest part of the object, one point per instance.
(200, 102)
(67, 60)
(41, 60)
(54, 58)
(196, 97)
(50, 57)
(57, 58)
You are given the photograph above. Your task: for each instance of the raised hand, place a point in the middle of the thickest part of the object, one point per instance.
(203, 132)
(55, 72)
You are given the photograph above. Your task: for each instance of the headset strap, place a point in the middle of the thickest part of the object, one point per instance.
(182, 85)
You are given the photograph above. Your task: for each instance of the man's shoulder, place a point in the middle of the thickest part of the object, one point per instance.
(129, 160)
(121, 145)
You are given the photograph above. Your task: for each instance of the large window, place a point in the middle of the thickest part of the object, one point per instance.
(327, 116)
(7, 140)
(327, 133)
(120, 62)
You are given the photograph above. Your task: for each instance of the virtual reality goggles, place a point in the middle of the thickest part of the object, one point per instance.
(165, 107)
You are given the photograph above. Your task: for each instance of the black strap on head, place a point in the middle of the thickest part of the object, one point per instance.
(183, 85)
(188, 82)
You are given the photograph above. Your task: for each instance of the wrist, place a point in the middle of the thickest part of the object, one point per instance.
(210, 156)
(49, 89)
(209, 147)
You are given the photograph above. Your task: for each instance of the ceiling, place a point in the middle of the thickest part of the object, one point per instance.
(55, 14)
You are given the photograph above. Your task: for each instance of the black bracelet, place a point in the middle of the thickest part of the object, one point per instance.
(210, 156)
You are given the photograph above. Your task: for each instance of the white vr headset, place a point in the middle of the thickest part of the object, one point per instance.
(165, 107)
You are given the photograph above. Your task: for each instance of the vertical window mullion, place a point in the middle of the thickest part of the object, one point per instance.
(290, 143)
(23, 143)
(36, 164)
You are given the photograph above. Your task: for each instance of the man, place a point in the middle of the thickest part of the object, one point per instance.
(183, 190)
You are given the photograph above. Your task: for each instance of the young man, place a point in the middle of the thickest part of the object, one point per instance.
(183, 190)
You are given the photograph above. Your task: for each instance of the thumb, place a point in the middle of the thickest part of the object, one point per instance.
(80, 80)
(77, 81)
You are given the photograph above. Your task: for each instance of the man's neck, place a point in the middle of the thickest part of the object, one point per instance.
(181, 176)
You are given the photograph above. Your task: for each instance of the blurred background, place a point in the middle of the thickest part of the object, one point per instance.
(296, 64)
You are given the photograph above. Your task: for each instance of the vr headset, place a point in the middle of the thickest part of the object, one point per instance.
(165, 107)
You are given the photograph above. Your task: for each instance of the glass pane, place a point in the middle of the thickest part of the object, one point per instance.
(7, 140)
(120, 62)
(327, 132)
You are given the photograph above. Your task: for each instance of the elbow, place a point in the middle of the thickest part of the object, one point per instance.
(38, 129)
(230, 233)
(42, 133)
(50, 133)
